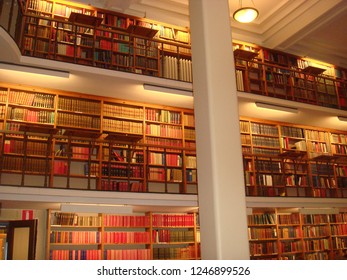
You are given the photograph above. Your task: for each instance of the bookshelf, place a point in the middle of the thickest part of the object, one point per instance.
(262, 235)
(290, 235)
(282, 75)
(82, 34)
(282, 159)
(293, 234)
(139, 236)
(95, 143)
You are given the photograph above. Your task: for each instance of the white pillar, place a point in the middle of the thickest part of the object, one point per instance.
(220, 172)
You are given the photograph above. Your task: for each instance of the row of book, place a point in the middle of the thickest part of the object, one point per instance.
(75, 254)
(271, 165)
(122, 186)
(126, 237)
(40, 5)
(262, 219)
(324, 182)
(75, 237)
(339, 149)
(161, 115)
(292, 131)
(65, 11)
(32, 165)
(126, 221)
(61, 168)
(318, 147)
(163, 142)
(291, 247)
(189, 134)
(190, 161)
(316, 245)
(340, 229)
(146, 62)
(167, 235)
(297, 181)
(115, 110)
(338, 138)
(169, 253)
(165, 159)
(173, 220)
(261, 233)
(128, 254)
(31, 99)
(269, 180)
(264, 129)
(122, 126)
(265, 141)
(162, 175)
(117, 170)
(32, 148)
(191, 176)
(78, 120)
(266, 248)
(188, 120)
(339, 242)
(79, 105)
(3, 94)
(290, 232)
(315, 231)
(164, 130)
(22, 114)
(122, 155)
(177, 68)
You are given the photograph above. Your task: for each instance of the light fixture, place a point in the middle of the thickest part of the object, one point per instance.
(276, 107)
(245, 14)
(34, 70)
(312, 211)
(342, 119)
(95, 208)
(165, 89)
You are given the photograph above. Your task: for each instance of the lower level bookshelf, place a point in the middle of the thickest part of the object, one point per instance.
(139, 236)
(297, 234)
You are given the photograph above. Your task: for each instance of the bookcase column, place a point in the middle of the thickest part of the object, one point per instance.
(223, 217)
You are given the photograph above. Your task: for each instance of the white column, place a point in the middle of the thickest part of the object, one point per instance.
(220, 172)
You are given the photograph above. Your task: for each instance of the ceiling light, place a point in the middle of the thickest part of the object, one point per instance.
(168, 89)
(276, 107)
(319, 211)
(245, 14)
(96, 208)
(34, 70)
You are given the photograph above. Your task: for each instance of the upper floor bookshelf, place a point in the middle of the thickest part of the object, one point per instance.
(82, 34)
(69, 140)
(287, 76)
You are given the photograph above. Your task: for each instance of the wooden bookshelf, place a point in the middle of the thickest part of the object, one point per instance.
(288, 234)
(82, 34)
(286, 76)
(139, 236)
(282, 159)
(95, 143)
